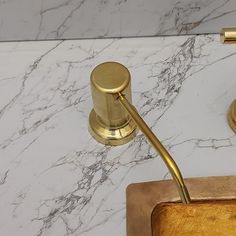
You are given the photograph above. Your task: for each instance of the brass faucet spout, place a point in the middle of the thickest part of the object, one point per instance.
(166, 157)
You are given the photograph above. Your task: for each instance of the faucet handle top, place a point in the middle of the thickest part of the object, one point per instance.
(110, 77)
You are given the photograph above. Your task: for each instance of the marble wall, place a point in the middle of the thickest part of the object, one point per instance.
(66, 19)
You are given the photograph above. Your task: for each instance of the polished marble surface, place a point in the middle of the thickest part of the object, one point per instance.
(54, 178)
(67, 19)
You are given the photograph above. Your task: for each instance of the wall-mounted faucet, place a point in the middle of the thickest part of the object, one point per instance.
(228, 36)
(114, 120)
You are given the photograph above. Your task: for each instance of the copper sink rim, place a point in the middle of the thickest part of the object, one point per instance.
(142, 198)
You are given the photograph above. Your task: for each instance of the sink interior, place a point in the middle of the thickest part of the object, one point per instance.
(152, 208)
(209, 218)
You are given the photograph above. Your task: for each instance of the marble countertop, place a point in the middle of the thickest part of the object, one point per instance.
(54, 178)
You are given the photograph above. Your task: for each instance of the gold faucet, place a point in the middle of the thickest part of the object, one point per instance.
(114, 120)
(228, 36)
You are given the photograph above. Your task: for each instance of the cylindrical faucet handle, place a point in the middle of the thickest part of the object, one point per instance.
(109, 122)
(228, 35)
(108, 79)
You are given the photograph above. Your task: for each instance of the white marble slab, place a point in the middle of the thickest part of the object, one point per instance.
(54, 178)
(66, 19)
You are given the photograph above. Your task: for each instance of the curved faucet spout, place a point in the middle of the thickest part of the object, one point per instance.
(114, 119)
(166, 157)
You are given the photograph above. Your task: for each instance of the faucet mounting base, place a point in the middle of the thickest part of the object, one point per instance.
(111, 135)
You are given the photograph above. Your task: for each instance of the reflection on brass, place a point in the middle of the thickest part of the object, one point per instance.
(209, 218)
(142, 198)
(228, 35)
(112, 119)
(232, 116)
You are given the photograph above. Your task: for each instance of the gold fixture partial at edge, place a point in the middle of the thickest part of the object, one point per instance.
(232, 116)
(228, 36)
(114, 119)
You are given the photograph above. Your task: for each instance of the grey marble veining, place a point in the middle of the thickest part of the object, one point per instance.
(68, 19)
(54, 178)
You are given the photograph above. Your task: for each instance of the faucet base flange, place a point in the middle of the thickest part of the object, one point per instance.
(113, 136)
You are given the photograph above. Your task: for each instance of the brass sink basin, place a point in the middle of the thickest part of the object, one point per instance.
(154, 208)
(209, 218)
